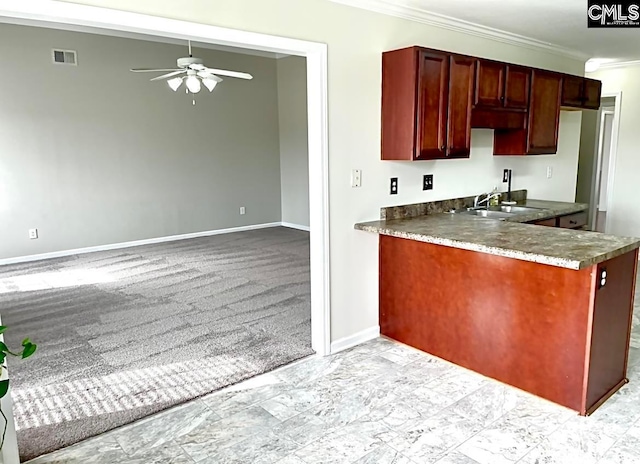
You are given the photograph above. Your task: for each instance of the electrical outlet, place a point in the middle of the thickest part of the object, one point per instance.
(356, 178)
(427, 182)
(549, 172)
(33, 234)
(242, 210)
(394, 186)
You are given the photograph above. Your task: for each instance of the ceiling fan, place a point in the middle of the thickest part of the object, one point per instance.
(195, 74)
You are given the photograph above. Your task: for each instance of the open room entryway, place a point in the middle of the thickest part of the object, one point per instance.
(598, 146)
(188, 249)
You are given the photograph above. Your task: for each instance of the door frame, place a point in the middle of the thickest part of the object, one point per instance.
(52, 11)
(597, 162)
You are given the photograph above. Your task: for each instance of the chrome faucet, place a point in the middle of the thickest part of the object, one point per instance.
(488, 196)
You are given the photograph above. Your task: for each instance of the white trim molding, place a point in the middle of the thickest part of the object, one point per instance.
(133, 243)
(618, 64)
(397, 9)
(52, 12)
(290, 225)
(355, 339)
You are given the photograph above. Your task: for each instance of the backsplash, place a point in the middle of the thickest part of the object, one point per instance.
(440, 206)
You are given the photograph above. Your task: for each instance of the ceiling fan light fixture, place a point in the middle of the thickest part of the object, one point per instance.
(175, 83)
(193, 84)
(209, 83)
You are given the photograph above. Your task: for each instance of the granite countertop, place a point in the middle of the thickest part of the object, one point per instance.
(571, 249)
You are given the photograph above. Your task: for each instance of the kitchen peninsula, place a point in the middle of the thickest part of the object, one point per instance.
(545, 309)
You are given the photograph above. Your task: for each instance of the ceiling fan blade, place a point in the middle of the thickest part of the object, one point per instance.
(206, 75)
(171, 74)
(154, 70)
(224, 72)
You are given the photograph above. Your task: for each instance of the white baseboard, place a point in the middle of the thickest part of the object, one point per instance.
(355, 339)
(116, 246)
(295, 226)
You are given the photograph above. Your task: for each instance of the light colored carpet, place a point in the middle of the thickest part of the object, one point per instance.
(126, 333)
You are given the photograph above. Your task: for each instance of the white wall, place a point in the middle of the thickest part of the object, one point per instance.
(294, 154)
(355, 41)
(623, 216)
(94, 154)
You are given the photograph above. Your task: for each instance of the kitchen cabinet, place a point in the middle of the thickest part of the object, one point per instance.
(551, 222)
(541, 133)
(428, 117)
(516, 87)
(431, 99)
(573, 221)
(501, 86)
(562, 335)
(569, 221)
(580, 92)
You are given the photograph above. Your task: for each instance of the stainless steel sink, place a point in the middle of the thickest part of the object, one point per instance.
(513, 209)
(488, 213)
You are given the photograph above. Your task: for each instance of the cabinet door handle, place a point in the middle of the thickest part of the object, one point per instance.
(573, 222)
(443, 148)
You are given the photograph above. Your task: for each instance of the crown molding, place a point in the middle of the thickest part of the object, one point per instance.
(618, 64)
(397, 9)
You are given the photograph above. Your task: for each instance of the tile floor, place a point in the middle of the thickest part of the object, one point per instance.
(380, 402)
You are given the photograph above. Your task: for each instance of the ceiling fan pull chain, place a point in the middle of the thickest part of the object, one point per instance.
(190, 55)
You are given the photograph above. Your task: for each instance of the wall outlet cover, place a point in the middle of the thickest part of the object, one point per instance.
(393, 188)
(356, 178)
(33, 234)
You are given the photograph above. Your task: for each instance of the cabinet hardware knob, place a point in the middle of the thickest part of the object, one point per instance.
(443, 148)
(573, 222)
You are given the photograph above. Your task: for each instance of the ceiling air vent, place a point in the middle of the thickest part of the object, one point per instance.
(65, 57)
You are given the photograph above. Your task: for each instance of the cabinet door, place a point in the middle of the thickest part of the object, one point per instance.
(516, 90)
(544, 113)
(433, 90)
(489, 88)
(461, 86)
(572, 91)
(592, 91)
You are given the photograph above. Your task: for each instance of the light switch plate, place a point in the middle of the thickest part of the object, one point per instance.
(427, 182)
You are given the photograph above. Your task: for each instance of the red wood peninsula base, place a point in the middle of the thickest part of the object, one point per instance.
(554, 332)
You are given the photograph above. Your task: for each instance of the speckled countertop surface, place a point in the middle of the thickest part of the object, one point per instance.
(571, 249)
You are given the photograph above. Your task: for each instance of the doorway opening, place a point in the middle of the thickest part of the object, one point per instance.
(79, 17)
(596, 167)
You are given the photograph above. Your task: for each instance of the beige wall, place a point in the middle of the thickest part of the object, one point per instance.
(355, 41)
(94, 154)
(623, 215)
(294, 155)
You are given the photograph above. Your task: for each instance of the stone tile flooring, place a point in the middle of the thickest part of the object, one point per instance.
(378, 403)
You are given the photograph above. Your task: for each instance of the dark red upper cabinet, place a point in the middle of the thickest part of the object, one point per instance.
(516, 88)
(501, 86)
(489, 91)
(431, 99)
(461, 80)
(541, 133)
(544, 113)
(580, 92)
(592, 93)
(426, 104)
(433, 96)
